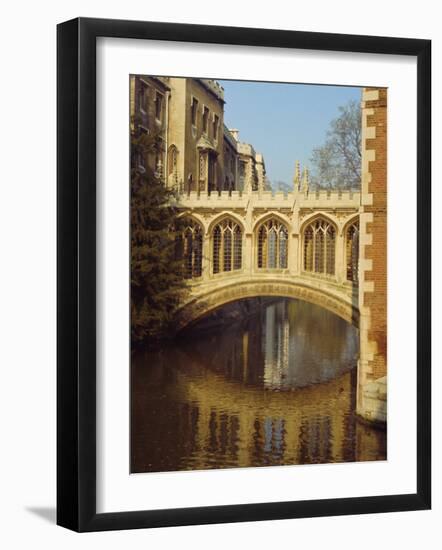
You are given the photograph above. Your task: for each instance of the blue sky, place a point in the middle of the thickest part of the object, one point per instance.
(284, 122)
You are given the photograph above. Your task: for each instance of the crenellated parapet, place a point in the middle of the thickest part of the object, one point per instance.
(214, 87)
(269, 199)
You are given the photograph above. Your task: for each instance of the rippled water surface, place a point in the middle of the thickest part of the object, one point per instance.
(264, 382)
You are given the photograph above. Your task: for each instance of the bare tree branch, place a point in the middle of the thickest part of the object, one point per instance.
(337, 163)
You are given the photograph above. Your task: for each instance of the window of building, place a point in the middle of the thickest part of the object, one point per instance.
(202, 171)
(215, 126)
(205, 119)
(172, 171)
(159, 106)
(189, 246)
(194, 110)
(227, 246)
(272, 245)
(319, 247)
(242, 174)
(143, 92)
(352, 251)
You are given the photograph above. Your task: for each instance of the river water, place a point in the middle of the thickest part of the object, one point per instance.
(260, 383)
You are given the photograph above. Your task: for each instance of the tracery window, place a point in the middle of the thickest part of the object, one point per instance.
(190, 248)
(227, 246)
(320, 247)
(272, 245)
(352, 251)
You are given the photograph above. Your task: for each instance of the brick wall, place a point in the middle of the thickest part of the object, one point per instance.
(373, 253)
(377, 251)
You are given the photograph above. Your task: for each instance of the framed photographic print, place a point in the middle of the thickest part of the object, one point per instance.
(243, 274)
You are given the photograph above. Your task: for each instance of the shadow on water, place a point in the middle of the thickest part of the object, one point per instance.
(259, 382)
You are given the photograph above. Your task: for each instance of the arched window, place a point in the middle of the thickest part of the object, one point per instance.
(319, 247)
(227, 246)
(172, 170)
(272, 245)
(190, 248)
(352, 251)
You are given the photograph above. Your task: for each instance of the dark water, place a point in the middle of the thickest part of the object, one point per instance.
(259, 383)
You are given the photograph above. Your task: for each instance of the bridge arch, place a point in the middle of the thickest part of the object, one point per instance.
(201, 302)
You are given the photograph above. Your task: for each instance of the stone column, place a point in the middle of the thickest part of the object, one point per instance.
(206, 257)
(340, 258)
(248, 241)
(248, 253)
(294, 238)
(293, 247)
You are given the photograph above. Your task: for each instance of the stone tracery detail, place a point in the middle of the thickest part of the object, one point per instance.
(190, 248)
(320, 247)
(272, 245)
(352, 251)
(227, 246)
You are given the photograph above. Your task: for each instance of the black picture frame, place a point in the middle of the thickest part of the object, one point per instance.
(76, 273)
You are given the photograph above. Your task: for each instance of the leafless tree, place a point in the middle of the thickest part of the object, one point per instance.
(337, 163)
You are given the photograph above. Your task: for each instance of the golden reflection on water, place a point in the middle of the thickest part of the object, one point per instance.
(276, 389)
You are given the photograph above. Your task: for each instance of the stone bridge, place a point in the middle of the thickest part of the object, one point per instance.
(297, 245)
(326, 248)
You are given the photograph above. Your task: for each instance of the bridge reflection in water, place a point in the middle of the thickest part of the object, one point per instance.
(273, 384)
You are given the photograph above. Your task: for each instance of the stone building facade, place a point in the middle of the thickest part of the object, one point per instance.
(230, 160)
(197, 151)
(195, 129)
(149, 100)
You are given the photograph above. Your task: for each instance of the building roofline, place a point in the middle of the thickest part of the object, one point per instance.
(229, 137)
(215, 89)
(157, 79)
